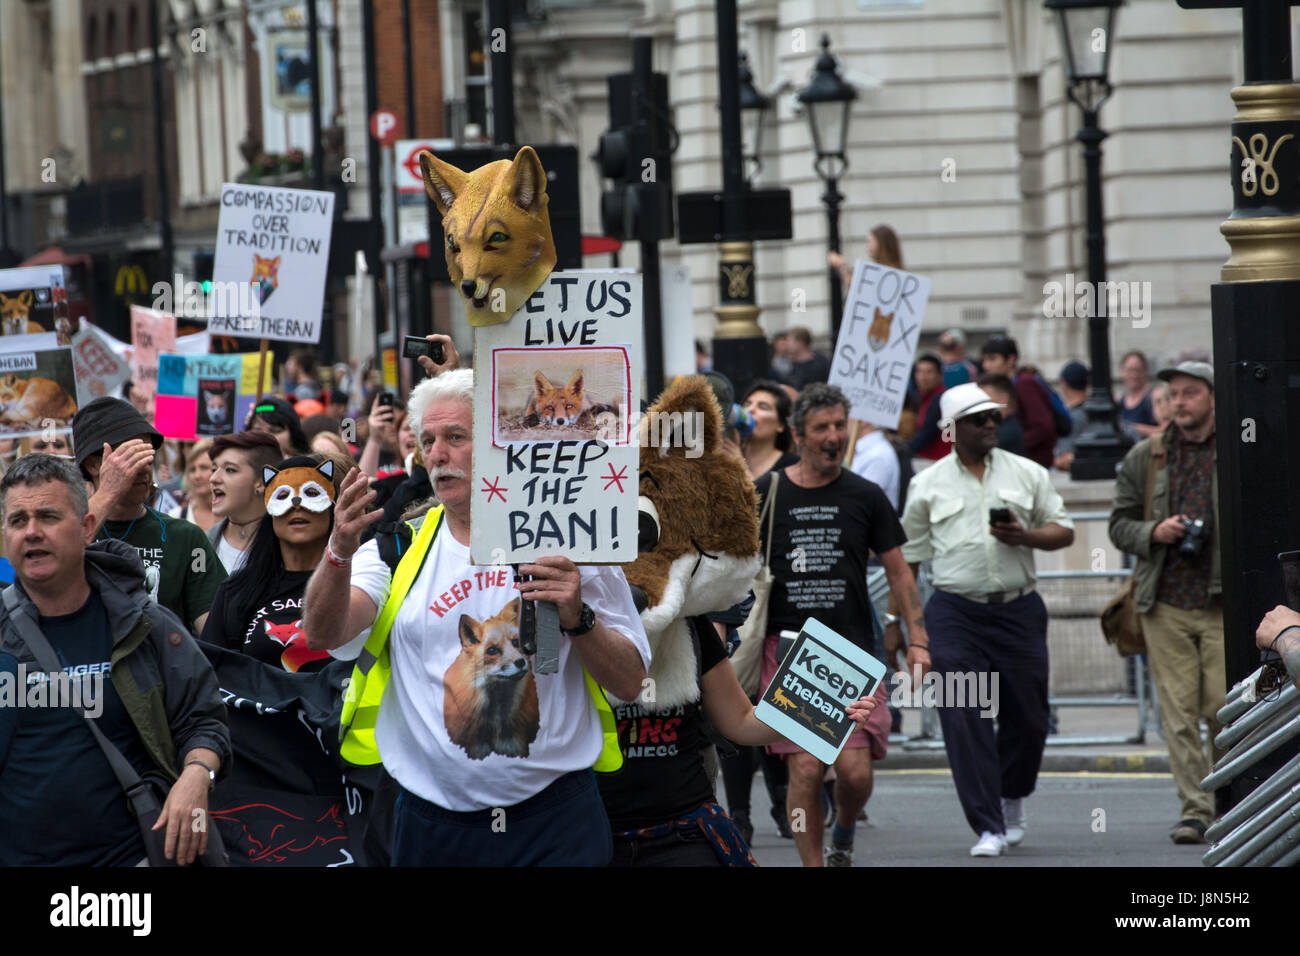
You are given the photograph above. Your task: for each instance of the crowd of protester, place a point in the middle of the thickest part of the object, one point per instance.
(282, 542)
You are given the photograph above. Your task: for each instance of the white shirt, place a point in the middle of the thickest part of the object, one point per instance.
(947, 520)
(454, 632)
(231, 557)
(874, 459)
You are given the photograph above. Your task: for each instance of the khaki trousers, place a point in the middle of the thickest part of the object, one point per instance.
(1185, 652)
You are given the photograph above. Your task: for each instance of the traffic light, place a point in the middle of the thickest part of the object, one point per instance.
(204, 260)
(636, 153)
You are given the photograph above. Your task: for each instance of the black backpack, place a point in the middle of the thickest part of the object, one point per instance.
(905, 472)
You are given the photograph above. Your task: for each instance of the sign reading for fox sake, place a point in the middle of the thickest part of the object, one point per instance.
(277, 241)
(879, 334)
(808, 698)
(555, 454)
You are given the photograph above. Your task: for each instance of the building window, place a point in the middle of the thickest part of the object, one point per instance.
(92, 37)
(131, 30)
(476, 79)
(110, 34)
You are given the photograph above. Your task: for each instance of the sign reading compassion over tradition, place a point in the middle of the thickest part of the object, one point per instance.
(878, 338)
(277, 240)
(556, 390)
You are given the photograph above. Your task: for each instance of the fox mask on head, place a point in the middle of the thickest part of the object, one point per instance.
(497, 231)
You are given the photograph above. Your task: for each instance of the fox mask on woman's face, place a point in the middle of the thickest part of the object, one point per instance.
(497, 231)
(299, 485)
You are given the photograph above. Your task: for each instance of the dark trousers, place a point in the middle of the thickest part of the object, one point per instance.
(1011, 640)
(686, 847)
(564, 825)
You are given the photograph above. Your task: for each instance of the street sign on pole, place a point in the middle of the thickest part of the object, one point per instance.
(383, 127)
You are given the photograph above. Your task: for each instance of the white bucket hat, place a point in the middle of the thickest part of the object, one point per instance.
(962, 400)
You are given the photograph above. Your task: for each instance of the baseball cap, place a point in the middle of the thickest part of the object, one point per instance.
(1202, 370)
(108, 420)
(1075, 375)
(962, 400)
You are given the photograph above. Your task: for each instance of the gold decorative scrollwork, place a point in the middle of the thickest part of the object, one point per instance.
(1260, 158)
(738, 279)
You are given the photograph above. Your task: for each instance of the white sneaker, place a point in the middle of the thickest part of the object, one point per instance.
(990, 844)
(1013, 815)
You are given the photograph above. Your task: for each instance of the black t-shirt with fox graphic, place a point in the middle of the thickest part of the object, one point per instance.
(273, 633)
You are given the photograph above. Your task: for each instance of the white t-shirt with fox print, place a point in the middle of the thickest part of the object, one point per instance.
(465, 722)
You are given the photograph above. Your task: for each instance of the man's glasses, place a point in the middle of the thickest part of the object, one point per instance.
(980, 419)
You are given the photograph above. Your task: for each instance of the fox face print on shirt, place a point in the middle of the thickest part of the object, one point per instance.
(466, 722)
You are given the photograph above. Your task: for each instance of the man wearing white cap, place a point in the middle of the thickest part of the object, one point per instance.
(977, 515)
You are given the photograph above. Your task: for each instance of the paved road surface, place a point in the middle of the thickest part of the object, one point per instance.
(915, 820)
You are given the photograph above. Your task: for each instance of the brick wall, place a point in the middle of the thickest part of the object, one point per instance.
(390, 69)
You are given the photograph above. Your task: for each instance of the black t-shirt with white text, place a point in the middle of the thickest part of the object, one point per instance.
(273, 632)
(820, 543)
(663, 774)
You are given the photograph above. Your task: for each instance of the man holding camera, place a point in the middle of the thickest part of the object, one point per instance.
(1176, 581)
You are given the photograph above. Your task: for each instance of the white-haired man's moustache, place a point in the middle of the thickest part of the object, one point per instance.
(445, 473)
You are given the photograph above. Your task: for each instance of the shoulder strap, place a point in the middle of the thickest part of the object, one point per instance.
(46, 656)
(769, 512)
(1157, 451)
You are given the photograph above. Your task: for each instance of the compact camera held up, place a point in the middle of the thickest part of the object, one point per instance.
(1196, 538)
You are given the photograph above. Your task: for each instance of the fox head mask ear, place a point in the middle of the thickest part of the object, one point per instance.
(496, 230)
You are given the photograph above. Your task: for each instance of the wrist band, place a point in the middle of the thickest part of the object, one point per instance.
(199, 763)
(334, 559)
(1290, 627)
(920, 647)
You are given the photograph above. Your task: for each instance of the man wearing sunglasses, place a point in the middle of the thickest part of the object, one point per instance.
(977, 515)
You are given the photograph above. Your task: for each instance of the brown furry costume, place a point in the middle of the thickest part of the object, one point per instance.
(707, 552)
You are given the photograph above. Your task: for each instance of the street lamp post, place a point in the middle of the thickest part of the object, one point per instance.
(753, 110)
(829, 100)
(1087, 33)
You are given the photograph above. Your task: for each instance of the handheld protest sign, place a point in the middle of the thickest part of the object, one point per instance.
(201, 396)
(878, 337)
(269, 265)
(807, 700)
(496, 231)
(555, 454)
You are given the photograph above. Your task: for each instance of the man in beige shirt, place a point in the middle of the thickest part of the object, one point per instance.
(977, 515)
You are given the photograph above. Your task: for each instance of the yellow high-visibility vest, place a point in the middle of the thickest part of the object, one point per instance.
(373, 668)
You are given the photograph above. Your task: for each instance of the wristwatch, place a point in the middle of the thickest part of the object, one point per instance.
(212, 774)
(586, 621)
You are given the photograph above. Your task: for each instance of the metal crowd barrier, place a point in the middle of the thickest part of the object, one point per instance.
(1264, 828)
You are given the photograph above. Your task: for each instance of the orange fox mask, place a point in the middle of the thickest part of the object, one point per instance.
(497, 231)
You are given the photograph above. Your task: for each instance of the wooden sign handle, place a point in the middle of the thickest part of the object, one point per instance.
(261, 370)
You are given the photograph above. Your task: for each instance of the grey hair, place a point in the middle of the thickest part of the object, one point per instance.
(457, 384)
(37, 468)
(815, 396)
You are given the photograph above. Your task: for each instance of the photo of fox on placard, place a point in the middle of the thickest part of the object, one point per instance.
(33, 300)
(38, 391)
(557, 394)
(215, 410)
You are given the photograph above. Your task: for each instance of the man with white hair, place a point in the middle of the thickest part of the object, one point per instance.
(494, 760)
(977, 514)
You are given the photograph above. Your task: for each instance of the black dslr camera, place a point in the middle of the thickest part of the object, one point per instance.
(1197, 536)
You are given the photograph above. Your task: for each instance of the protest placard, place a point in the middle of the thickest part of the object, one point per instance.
(38, 386)
(152, 333)
(278, 240)
(200, 396)
(555, 455)
(100, 370)
(33, 299)
(807, 700)
(877, 342)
